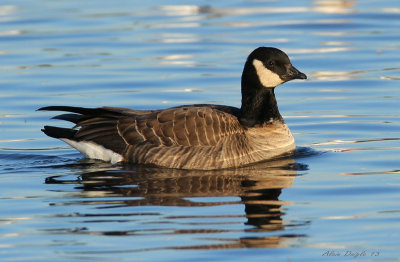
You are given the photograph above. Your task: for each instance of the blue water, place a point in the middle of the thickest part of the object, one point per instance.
(336, 199)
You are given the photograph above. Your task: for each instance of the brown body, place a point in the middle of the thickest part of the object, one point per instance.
(188, 137)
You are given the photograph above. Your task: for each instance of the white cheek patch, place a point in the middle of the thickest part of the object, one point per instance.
(266, 76)
(95, 151)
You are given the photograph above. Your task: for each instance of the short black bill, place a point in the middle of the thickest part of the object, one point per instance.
(293, 73)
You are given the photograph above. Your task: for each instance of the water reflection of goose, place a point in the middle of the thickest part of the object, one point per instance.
(258, 187)
(203, 137)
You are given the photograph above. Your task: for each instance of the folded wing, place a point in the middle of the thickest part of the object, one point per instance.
(156, 136)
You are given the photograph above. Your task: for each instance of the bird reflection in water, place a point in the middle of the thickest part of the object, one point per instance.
(258, 188)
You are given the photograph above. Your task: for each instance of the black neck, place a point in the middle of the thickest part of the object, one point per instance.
(258, 106)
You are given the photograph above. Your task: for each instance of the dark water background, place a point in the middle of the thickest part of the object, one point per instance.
(340, 193)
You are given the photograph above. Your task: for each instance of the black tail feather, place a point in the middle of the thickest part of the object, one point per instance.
(74, 118)
(59, 132)
(80, 110)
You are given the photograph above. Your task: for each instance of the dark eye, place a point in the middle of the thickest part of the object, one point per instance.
(271, 63)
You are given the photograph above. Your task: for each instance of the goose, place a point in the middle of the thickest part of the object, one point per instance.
(199, 136)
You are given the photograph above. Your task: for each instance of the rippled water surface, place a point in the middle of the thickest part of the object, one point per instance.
(336, 199)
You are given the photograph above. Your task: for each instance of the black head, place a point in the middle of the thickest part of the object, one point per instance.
(270, 67)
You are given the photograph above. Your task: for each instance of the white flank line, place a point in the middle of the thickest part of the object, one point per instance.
(93, 150)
